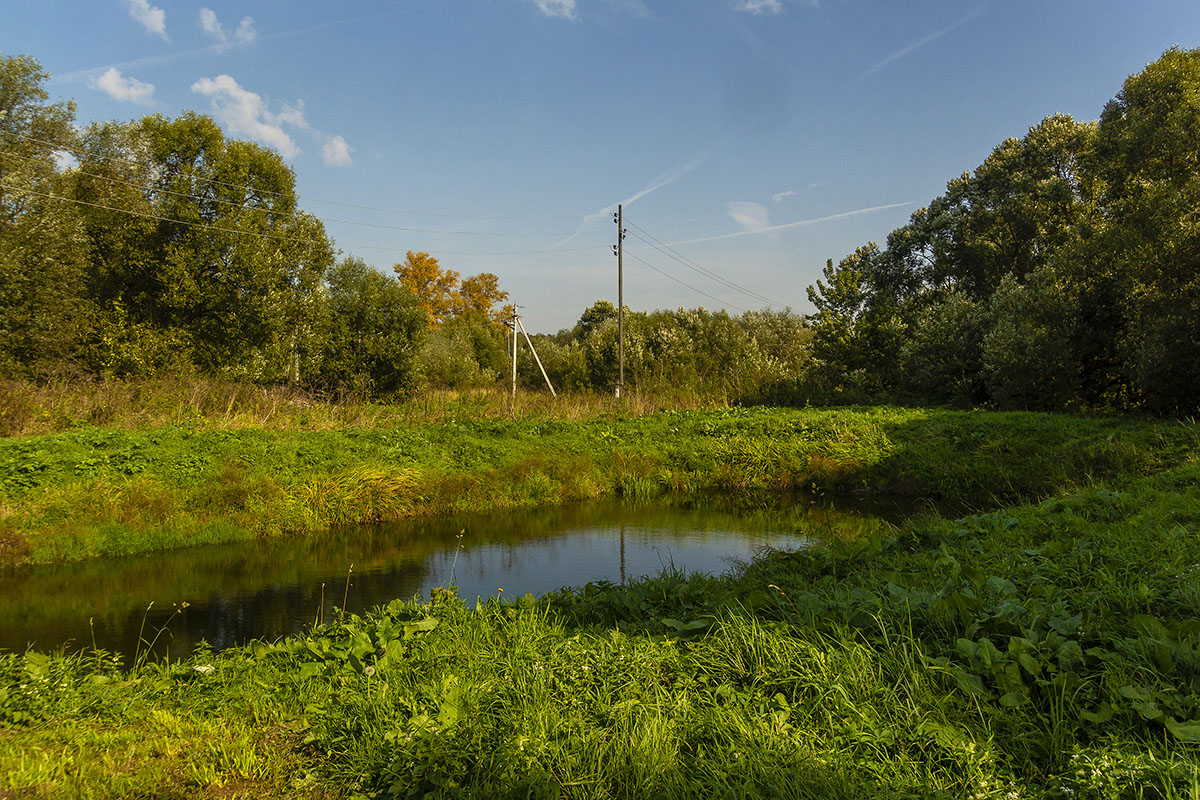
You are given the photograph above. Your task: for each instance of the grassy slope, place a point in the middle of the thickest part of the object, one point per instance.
(1046, 648)
(93, 491)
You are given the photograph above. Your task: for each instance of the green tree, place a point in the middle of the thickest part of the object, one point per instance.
(592, 318)
(467, 351)
(1028, 361)
(943, 359)
(199, 237)
(1148, 153)
(857, 331)
(376, 327)
(45, 314)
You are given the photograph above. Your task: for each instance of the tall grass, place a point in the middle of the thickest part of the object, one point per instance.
(28, 408)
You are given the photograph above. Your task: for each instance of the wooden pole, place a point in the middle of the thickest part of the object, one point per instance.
(620, 302)
(533, 350)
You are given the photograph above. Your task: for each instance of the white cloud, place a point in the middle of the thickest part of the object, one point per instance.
(244, 112)
(212, 26)
(245, 33)
(152, 18)
(751, 216)
(556, 8)
(663, 180)
(336, 152)
(758, 7)
(64, 161)
(127, 90)
(775, 198)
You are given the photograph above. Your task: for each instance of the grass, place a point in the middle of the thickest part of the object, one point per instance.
(34, 409)
(1035, 634)
(1039, 650)
(106, 491)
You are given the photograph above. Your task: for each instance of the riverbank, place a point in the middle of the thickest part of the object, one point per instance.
(1041, 649)
(108, 492)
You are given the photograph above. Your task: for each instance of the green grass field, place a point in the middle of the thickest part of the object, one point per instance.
(96, 491)
(1038, 638)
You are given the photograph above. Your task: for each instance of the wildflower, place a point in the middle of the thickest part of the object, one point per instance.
(205, 669)
(369, 671)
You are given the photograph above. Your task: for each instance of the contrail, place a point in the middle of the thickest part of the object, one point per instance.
(796, 224)
(665, 179)
(903, 51)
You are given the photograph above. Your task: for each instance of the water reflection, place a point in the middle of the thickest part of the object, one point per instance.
(265, 589)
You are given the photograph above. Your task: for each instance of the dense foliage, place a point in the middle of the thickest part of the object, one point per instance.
(158, 245)
(745, 358)
(1061, 273)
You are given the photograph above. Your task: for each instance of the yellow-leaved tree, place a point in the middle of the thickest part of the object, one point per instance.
(442, 295)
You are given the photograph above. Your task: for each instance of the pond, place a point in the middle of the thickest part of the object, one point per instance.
(271, 588)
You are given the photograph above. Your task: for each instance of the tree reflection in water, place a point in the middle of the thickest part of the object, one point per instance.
(272, 588)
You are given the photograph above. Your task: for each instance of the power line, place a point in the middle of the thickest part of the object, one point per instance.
(234, 203)
(281, 237)
(75, 151)
(684, 283)
(692, 265)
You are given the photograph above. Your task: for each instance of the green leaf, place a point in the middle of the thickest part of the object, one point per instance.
(1066, 625)
(1184, 731)
(423, 626)
(1031, 666)
(1013, 699)
(1148, 710)
(1137, 693)
(1098, 717)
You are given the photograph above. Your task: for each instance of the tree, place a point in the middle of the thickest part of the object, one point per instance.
(45, 315)
(199, 237)
(480, 294)
(1028, 362)
(375, 331)
(943, 360)
(468, 351)
(443, 295)
(857, 331)
(592, 318)
(1148, 153)
(433, 286)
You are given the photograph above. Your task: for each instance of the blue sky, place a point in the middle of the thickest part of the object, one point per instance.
(757, 137)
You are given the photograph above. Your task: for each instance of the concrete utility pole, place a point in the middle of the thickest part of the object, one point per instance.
(513, 325)
(620, 250)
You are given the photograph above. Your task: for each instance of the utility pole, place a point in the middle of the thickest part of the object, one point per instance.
(513, 325)
(619, 249)
(533, 350)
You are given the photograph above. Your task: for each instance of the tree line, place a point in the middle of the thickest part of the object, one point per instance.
(1060, 274)
(160, 245)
